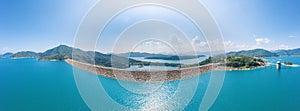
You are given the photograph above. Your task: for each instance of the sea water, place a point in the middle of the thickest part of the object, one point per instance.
(29, 84)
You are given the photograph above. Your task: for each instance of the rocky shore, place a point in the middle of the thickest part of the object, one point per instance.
(226, 68)
(143, 76)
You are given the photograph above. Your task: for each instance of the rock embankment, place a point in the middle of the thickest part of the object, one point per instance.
(143, 76)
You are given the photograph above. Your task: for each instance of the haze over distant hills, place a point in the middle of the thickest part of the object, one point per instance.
(140, 54)
(288, 52)
(254, 53)
(28, 54)
(266, 53)
(63, 52)
(6, 55)
(160, 56)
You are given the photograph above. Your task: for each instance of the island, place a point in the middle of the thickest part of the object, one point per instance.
(288, 63)
(236, 62)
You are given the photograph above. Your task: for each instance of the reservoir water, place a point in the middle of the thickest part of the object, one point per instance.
(29, 84)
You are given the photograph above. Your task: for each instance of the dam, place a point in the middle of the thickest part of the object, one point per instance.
(143, 75)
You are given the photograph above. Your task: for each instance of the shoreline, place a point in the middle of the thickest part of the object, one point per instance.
(226, 68)
(22, 57)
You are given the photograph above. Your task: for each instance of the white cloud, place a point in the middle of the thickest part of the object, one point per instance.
(231, 46)
(282, 46)
(6, 49)
(197, 43)
(292, 36)
(152, 46)
(260, 41)
(228, 43)
(216, 45)
(202, 44)
(151, 43)
(195, 40)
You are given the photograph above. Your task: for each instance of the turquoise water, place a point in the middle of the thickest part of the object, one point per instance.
(264, 89)
(29, 84)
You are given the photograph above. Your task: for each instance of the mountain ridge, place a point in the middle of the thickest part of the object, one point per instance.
(63, 52)
(254, 53)
(288, 52)
(67, 50)
(6, 55)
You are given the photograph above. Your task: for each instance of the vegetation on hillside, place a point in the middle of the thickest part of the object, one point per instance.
(239, 61)
(63, 52)
(243, 62)
(25, 54)
(288, 52)
(254, 53)
(6, 55)
(288, 63)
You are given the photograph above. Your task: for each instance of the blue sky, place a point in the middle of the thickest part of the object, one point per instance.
(38, 25)
(270, 24)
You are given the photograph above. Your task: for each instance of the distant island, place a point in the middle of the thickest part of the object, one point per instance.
(288, 63)
(236, 62)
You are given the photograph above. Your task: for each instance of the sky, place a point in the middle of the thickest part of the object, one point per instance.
(38, 25)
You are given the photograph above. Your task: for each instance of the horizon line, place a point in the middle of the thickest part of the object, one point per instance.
(226, 51)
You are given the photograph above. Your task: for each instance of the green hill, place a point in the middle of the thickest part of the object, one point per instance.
(237, 61)
(63, 52)
(25, 54)
(254, 53)
(288, 52)
(6, 55)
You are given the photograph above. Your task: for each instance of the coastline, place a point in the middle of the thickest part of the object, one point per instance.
(294, 65)
(22, 57)
(226, 68)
